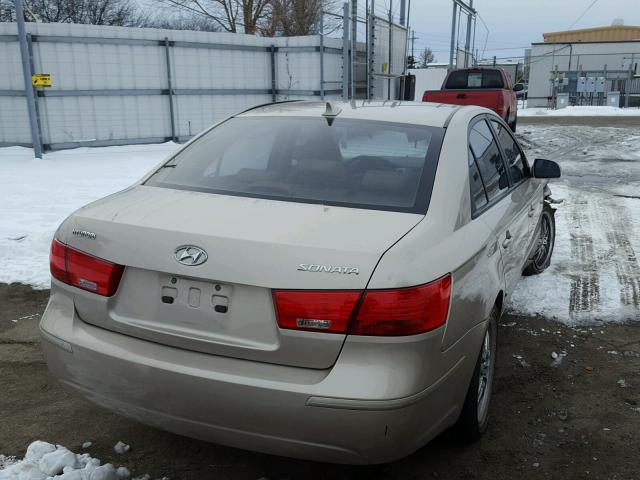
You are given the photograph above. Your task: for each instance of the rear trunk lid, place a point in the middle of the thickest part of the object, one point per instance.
(224, 306)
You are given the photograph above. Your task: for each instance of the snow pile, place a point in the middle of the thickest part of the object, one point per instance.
(580, 112)
(37, 195)
(44, 461)
(121, 448)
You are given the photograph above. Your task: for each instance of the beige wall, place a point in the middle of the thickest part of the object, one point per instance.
(600, 34)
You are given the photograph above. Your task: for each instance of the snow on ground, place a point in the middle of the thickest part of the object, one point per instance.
(37, 195)
(44, 461)
(594, 275)
(580, 111)
(595, 270)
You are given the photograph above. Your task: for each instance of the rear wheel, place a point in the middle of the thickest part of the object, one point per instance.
(513, 124)
(545, 242)
(474, 418)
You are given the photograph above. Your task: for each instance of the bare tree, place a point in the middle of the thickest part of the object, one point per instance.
(97, 12)
(186, 21)
(426, 57)
(293, 17)
(228, 15)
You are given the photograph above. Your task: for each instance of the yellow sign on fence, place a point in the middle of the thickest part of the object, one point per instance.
(41, 79)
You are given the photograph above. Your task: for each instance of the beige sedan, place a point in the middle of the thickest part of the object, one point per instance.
(312, 280)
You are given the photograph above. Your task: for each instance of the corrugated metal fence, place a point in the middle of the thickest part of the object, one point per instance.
(115, 85)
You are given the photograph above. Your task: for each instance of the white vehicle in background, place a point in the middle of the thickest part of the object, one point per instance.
(309, 280)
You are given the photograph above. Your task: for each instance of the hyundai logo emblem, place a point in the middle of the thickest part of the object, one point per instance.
(190, 255)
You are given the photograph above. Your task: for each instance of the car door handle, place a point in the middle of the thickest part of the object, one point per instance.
(508, 239)
(462, 95)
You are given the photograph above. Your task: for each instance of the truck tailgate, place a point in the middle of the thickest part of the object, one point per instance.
(488, 98)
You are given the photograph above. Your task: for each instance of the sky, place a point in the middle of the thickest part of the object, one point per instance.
(513, 24)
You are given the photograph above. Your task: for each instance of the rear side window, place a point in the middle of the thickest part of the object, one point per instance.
(513, 154)
(356, 163)
(478, 195)
(489, 160)
(463, 79)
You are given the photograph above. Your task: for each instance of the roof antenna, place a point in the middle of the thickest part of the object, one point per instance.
(331, 112)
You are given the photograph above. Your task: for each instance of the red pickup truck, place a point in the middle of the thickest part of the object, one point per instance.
(488, 87)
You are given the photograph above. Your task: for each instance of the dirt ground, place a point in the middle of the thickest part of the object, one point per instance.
(574, 419)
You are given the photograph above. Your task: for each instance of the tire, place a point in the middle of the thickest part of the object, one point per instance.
(545, 242)
(474, 417)
(513, 124)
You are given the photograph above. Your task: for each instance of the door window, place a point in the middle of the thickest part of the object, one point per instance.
(513, 156)
(489, 160)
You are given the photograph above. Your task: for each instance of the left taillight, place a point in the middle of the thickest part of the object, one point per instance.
(322, 310)
(84, 271)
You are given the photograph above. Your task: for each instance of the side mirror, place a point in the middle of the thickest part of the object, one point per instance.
(518, 87)
(545, 169)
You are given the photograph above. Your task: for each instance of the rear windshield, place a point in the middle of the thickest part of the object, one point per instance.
(354, 163)
(462, 79)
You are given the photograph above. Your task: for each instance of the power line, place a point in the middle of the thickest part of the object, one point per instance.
(486, 38)
(583, 14)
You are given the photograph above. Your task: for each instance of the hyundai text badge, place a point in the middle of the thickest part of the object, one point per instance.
(190, 255)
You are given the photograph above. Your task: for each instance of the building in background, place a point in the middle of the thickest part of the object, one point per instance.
(513, 68)
(429, 78)
(585, 66)
(612, 33)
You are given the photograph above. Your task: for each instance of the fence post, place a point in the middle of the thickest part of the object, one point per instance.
(35, 93)
(345, 51)
(353, 58)
(390, 57)
(170, 84)
(370, 50)
(322, 55)
(28, 86)
(272, 49)
(627, 87)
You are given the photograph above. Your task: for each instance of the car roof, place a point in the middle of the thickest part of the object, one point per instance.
(413, 113)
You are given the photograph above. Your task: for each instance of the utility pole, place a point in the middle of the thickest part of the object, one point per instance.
(28, 87)
(467, 44)
(403, 8)
(453, 34)
(413, 39)
(468, 9)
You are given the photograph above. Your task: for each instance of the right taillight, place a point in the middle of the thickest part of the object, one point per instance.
(403, 311)
(393, 312)
(84, 271)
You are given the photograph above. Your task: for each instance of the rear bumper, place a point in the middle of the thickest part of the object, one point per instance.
(274, 409)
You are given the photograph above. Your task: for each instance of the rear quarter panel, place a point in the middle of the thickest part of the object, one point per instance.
(448, 240)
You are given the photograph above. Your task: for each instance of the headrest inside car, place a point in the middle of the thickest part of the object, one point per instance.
(384, 181)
